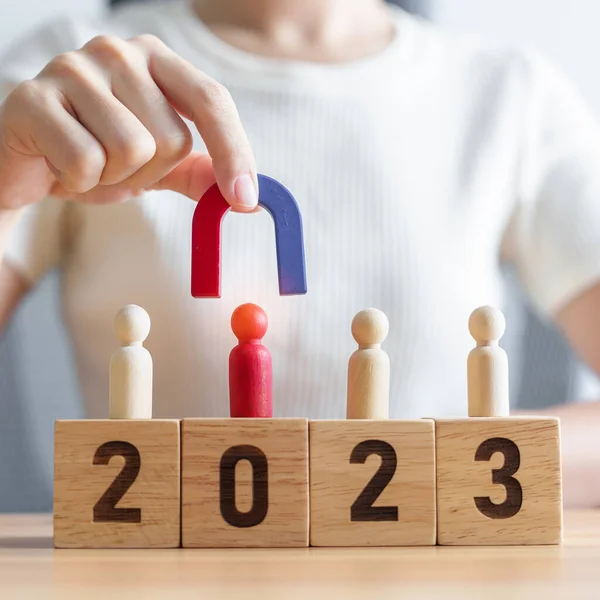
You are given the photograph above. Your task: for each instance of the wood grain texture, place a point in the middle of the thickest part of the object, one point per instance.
(524, 506)
(30, 569)
(335, 483)
(368, 384)
(79, 484)
(281, 445)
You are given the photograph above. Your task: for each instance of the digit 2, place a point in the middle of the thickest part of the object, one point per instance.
(105, 510)
(503, 476)
(260, 486)
(363, 509)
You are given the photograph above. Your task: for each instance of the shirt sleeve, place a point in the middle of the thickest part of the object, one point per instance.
(554, 236)
(34, 245)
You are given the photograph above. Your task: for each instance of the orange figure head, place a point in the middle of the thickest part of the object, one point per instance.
(249, 323)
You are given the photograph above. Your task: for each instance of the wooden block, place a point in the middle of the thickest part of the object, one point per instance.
(372, 483)
(116, 484)
(244, 483)
(499, 481)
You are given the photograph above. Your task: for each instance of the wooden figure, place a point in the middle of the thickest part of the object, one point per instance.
(117, 480)
(244, 483)
(289, 239)
(250, 371)
(372, 480)
(131, 367)
(498, 477)
(369, 368)
(487, 365)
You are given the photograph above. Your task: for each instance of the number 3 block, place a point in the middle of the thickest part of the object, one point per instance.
(498, 481)
(116, 484)
(244, 483)
(372, 483)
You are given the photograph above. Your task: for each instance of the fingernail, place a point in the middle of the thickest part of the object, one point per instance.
(245, 192)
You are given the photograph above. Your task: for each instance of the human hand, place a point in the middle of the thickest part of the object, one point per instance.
(105, 122)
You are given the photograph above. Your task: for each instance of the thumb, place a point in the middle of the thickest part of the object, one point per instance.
(192, 177)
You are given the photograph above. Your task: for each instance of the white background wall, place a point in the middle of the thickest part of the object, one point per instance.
(18, 16)
(564, 30)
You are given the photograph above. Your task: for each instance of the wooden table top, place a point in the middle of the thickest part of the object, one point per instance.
(31, 568)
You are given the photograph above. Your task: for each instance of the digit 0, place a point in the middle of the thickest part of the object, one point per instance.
(105, 510)
(362, 509)
(503, 476)
(260, 486)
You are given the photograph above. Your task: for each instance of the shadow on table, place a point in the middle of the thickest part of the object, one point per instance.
(26, 543)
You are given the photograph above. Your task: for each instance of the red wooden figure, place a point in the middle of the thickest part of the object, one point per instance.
(250, 370)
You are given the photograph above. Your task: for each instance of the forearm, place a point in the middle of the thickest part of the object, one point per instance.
(580, 445)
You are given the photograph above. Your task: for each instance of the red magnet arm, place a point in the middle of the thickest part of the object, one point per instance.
(206, 244)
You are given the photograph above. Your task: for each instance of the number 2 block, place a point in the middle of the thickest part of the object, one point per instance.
(244, 483)
(372, 483)
(499, 481)
(116, 484)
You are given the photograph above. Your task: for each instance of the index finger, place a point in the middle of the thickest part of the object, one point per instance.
(210, 106)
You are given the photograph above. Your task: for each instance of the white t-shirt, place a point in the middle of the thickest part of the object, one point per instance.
(414, 170)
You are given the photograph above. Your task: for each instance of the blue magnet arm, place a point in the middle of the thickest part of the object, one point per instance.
(289, 238)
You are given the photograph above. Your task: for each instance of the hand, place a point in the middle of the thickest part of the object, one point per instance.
(105, 122)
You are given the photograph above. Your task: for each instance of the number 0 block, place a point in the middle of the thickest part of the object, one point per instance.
(116, 484)
(244, 483)
(499, 481)
(372, 483)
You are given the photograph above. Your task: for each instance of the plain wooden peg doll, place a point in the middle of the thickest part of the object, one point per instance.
(131, 366)
(369, 368)
(487, 365)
